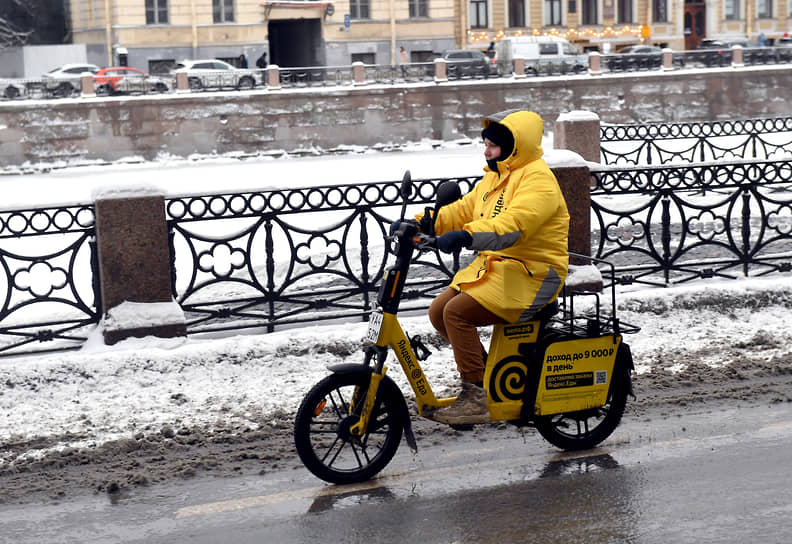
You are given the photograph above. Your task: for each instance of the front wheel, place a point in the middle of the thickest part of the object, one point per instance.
(246, 83)
(585, 429)
(322, 429)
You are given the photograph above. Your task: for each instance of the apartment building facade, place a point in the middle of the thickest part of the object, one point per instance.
(154, 34)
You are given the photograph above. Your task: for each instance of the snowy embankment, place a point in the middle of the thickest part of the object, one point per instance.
(143, 385)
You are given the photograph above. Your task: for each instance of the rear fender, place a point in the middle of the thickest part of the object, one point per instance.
(624, 367)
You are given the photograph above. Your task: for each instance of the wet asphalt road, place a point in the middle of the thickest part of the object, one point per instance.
(714, 476)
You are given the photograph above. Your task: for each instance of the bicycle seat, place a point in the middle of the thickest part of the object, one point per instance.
(546, 313)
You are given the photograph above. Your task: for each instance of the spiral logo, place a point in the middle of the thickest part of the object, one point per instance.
(507, 380)
(416, 374)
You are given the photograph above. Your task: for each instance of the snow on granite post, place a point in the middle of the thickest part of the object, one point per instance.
(668, 59)
(134, 265)
(273, 77)
(440, 71)
(595, 63)
(737, 56)
(358, 73)
(519, 67)
(578, 131)
(574, 178)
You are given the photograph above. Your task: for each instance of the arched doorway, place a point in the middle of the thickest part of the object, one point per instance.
(695, 23)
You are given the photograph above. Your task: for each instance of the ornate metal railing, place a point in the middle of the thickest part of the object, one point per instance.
(48, 287)
(316, 76)
(275, 258)
(666, 143)
(673, 224)
(389, 73)
(279, 258)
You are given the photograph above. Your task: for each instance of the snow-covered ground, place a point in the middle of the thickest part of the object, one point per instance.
(141, 385)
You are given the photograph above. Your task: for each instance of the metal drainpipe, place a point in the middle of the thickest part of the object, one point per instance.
(108, 33)
(194, 29)
(393, 32)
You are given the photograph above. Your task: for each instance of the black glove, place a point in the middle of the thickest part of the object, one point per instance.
(454, 241)
(425, 226)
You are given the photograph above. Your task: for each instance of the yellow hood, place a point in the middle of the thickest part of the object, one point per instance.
(527, 142)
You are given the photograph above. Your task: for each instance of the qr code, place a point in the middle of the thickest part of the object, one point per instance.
(600, 377)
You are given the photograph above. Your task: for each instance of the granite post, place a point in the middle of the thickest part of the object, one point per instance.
(134, 262)
(574, 178)
(578, 131)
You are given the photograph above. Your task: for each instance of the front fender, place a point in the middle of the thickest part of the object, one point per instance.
(390, 387)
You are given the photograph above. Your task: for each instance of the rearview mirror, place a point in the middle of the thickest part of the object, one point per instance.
(447, 193)
(406, 191)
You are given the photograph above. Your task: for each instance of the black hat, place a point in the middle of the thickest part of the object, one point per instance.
(501, 136)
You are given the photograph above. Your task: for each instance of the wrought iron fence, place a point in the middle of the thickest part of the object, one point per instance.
(275, 258)
(316, 76)
(315, 254)
(389, 73)
(666, 143)
(673, 224)
(48, 287)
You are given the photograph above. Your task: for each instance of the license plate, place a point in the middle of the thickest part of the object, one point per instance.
(375, 324)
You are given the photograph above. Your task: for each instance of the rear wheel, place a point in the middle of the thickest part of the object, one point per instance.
(587, 428)
(322, 429)
(195, 84)
(11, 92)
(64, 90)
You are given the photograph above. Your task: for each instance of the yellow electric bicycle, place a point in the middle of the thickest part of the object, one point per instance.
(568, 376)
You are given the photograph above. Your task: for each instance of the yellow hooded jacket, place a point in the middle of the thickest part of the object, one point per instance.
(519, 223)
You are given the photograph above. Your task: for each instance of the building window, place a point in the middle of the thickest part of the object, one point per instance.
(516, 13)
(156, 12)
(731, 9)
(764, 9)
(588, 13)
(552, 14)
(478, 14)
(625, 14)
(359, 9)
(223, 11)
(365, 58)
(419, 8)
(660, 11)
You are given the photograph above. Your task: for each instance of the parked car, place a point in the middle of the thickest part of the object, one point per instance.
(718, 52)
(125, 79)
(542, 54)
(466, 63)
(213, 73)
(639, 57)
(65, 80)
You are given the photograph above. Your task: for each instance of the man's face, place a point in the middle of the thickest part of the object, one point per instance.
(491, 150)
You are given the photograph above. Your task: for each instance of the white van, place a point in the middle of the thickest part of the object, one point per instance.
(542, 54)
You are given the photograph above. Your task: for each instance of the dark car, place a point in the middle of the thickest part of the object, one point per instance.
(467, 63)
(718, 52)
(639, 57)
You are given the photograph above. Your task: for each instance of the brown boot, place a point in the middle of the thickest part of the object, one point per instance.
(469, 407)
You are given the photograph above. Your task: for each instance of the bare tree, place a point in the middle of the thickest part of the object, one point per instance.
(25, 22)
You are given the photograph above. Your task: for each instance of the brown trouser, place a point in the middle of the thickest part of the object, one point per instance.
(456, 315)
